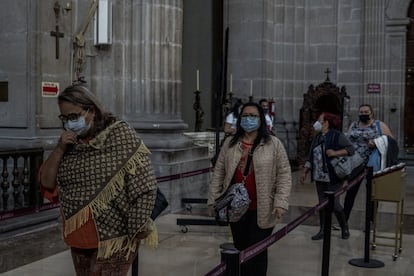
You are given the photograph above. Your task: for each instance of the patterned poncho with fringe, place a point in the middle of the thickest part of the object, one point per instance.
(111, 177)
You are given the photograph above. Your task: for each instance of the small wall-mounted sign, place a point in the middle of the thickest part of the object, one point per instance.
(374, 88)
(50, 89)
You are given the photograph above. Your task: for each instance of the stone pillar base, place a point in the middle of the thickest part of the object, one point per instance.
(182, 173)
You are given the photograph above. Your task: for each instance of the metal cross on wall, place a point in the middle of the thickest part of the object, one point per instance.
(56, 33)
(327, 72)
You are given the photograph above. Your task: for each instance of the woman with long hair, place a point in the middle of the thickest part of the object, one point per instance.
(268, 182)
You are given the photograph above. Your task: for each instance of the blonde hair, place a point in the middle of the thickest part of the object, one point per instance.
(81, 96)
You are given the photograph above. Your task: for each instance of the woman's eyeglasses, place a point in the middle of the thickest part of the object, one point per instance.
(70, 117)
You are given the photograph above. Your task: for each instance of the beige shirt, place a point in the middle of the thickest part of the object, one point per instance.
(272, 175)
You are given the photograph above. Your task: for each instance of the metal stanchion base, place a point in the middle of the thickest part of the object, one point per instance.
(362, 263)
(228, 246)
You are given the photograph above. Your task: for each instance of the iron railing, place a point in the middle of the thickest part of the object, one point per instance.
(19, 187)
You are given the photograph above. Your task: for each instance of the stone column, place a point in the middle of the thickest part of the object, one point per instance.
(395, 39)
(152, 89)
(151, 83)
(384, 62)
(374, 57)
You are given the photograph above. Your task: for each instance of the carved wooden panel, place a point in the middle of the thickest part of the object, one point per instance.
(326, 97)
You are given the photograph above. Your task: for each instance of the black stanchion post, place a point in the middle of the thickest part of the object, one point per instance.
(134, 271)
(327, 233)
(366, 261)
(231, 257)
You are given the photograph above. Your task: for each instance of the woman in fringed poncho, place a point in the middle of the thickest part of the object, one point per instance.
(101, 173)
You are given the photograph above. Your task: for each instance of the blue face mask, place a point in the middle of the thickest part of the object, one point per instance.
(78, 126)
(249, 123)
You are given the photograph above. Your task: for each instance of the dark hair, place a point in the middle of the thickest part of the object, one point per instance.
(235, 109)
(262, 100)
(262, 132)
(333, 120)
(81, 96)
(369, 106)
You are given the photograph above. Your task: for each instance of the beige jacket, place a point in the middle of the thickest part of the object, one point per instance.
(272, 174)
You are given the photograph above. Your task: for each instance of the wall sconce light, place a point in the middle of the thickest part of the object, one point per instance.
(68, 7)
(393, 108)
(103, 23)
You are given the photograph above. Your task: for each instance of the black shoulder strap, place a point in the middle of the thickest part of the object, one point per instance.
(320, 139)
(249, 159)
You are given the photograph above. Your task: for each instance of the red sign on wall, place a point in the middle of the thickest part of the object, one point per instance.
(374, 88)
(50, 89)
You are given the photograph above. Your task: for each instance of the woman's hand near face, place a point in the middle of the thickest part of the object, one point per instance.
(67, 138)
(51, 165)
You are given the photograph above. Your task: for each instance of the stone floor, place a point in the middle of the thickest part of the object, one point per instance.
(40, 251)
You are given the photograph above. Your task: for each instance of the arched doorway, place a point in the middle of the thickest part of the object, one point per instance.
(409, 85)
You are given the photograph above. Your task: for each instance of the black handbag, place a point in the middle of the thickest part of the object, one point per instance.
(160, 205)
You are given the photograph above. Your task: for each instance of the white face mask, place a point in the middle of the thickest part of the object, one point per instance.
(317, 126)
(78, 126)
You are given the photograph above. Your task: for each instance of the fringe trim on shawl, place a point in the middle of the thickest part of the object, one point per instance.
(109, 247)
(76, 221)
(112, 190)
(152, 239)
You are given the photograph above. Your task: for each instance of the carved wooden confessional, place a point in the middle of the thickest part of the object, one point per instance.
(326, 97)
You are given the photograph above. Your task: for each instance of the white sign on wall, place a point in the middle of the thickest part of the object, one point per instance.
(50, 89)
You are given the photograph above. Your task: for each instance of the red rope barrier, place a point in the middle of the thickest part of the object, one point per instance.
(259, 247)
(217, 271)
(47, 206)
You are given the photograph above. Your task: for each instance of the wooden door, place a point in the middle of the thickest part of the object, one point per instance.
(409, 86)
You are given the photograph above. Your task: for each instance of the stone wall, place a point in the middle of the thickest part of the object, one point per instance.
(280, 47)
(285, 46)
(137, 76)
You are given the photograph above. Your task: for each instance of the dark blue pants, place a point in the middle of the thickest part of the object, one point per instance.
(353, 191)
(245, 233)
(350, 197)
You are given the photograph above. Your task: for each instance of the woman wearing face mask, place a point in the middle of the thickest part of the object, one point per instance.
(268, 182)
(329, 142)
(101, 173)
(362, 134)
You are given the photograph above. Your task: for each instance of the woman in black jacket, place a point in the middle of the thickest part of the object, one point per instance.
(328, 143)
